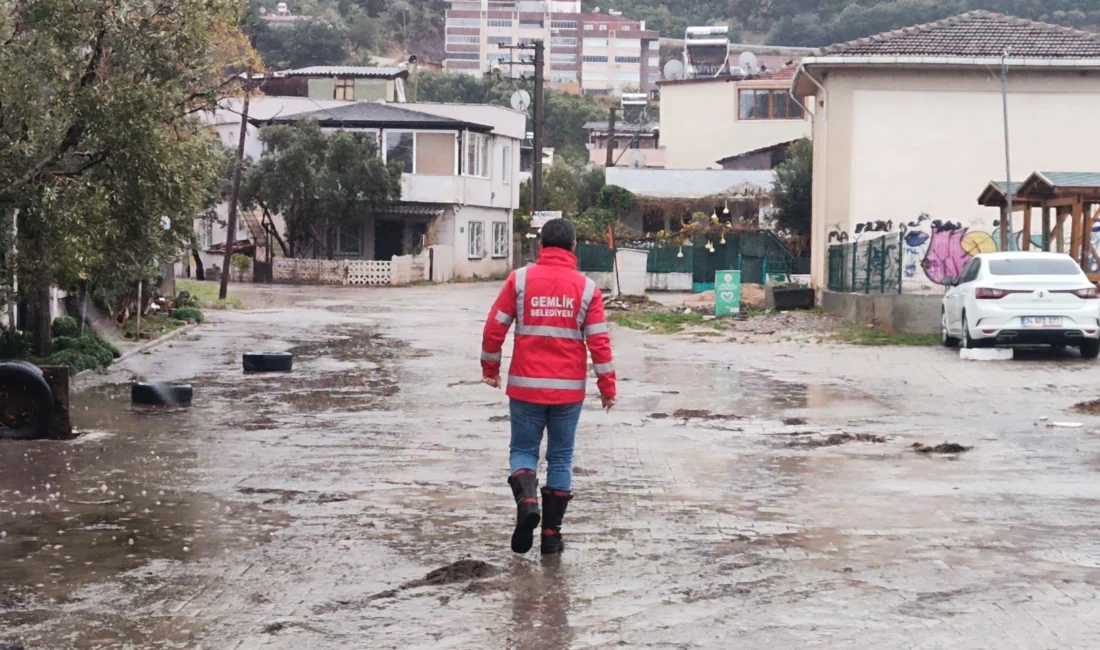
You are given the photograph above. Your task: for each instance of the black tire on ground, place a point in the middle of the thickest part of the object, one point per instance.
(968, 342)
(268, 362)
(1090, 349)
(24, 387)
(946, 339)
(160, 393)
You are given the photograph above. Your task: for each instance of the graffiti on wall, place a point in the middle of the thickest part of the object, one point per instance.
(935, 250)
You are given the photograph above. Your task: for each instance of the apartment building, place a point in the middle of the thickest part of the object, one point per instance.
(592, 53)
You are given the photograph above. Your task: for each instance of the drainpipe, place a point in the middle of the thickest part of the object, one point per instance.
(819, 231)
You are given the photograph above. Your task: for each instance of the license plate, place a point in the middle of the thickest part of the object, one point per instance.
(1041, 321)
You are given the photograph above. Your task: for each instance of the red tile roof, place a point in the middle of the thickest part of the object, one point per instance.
(976, 34)
(786, 72)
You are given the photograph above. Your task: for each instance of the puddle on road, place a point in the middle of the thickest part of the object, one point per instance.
(751, 394)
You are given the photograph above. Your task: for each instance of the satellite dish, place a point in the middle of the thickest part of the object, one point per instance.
(674, 69)
(637, 159)
(748, 62)
(521, 99)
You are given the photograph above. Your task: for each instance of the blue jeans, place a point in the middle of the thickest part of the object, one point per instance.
(528, 422)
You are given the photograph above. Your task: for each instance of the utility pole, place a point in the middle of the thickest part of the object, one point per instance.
(234, 195)
(611, 139)
(1006, 219)
(536, 177)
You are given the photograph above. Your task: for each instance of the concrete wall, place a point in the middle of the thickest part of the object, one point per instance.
(700, 125)
(896, 148)
(909, 314)
(486, 266)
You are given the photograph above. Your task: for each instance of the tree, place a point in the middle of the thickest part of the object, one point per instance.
(99, 146)
(793, 190)
(319, 182)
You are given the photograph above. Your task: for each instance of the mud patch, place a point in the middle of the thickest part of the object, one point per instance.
(837, 439)
(288, 496)
(944, 448)
(792, 422)
(1091, 407)
(500, 418)
(464, 570)
(703, 414)
(580, 471)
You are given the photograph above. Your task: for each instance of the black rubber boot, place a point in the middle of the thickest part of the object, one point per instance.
(554, 503)
(525, 488)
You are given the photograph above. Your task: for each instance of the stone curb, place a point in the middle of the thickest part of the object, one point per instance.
(148, 346)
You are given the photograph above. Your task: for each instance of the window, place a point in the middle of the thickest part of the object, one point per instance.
(589, 75)
(365, 136)
(628, 43)
(635, 143)
(596, 91)
(530, 24)
(349, 240)
(625, 28)
(399, 148)
(475, 240)
(1034, 266)
(505, 164)
(768, 105)
(654, 61)
(589, 28)
(435, 153)
(970, 272)
(477, 155)
(563, 41)
(603, 28)
(653, 77)
(474, 40)
(595, 59)
(499, 40)
(627, 76)
(563, 76)
(595, 42)
(345, 89)
(563, 24)
(500, 239)
(628, 59)
(500, 22)
(563, 58)
(463, 22)
(463, 56)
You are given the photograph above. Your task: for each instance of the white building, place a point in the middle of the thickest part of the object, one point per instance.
(459, 190)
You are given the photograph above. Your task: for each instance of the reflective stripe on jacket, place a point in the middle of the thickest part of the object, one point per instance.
(557, 312)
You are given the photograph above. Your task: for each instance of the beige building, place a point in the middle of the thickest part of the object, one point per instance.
(908, 129)
(704, 120)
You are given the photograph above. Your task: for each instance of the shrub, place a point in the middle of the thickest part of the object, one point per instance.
(188, 314)
(65, 326)
(75, 359)
(14, 344)
(88, 351)
(241, 262)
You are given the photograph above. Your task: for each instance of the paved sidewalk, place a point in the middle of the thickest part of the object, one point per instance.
(298, 511)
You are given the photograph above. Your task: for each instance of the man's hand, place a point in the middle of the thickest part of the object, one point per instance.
(609, 402)
(493, 381)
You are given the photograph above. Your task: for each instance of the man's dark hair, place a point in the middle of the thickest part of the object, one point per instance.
(559, 233)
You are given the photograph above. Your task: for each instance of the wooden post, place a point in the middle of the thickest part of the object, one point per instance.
(1006, 211)
(1046, 227)
(1025, 244)
(1060, 229)
(1075, 233)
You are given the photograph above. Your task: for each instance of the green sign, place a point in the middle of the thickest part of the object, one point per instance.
(777, 278)
(727, 293)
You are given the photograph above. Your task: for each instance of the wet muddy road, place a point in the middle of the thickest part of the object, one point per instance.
(741, 496)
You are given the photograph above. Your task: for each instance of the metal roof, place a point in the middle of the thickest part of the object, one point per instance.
(1056, 180)
(691, 183)
(380, 115)
(623, 127)
(346, 71)
(772, 147)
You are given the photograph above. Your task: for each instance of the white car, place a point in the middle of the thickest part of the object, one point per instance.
(1022, 298)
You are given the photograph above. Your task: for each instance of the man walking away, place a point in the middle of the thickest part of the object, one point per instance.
(557, 311)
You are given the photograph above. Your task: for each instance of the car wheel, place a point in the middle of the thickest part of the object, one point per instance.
(1090, 349)
(946, 339)
(26, 401)
(968, 342)
(268, 362)
(161, 394)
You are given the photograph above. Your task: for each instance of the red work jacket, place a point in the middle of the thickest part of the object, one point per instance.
(557, 312)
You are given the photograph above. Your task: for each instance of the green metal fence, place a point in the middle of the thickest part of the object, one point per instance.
(596, 258)
(868, 266)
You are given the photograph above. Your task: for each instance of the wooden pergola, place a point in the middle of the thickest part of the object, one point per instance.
(1068, 200)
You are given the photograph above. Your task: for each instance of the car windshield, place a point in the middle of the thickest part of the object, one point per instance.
(1035, 266)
